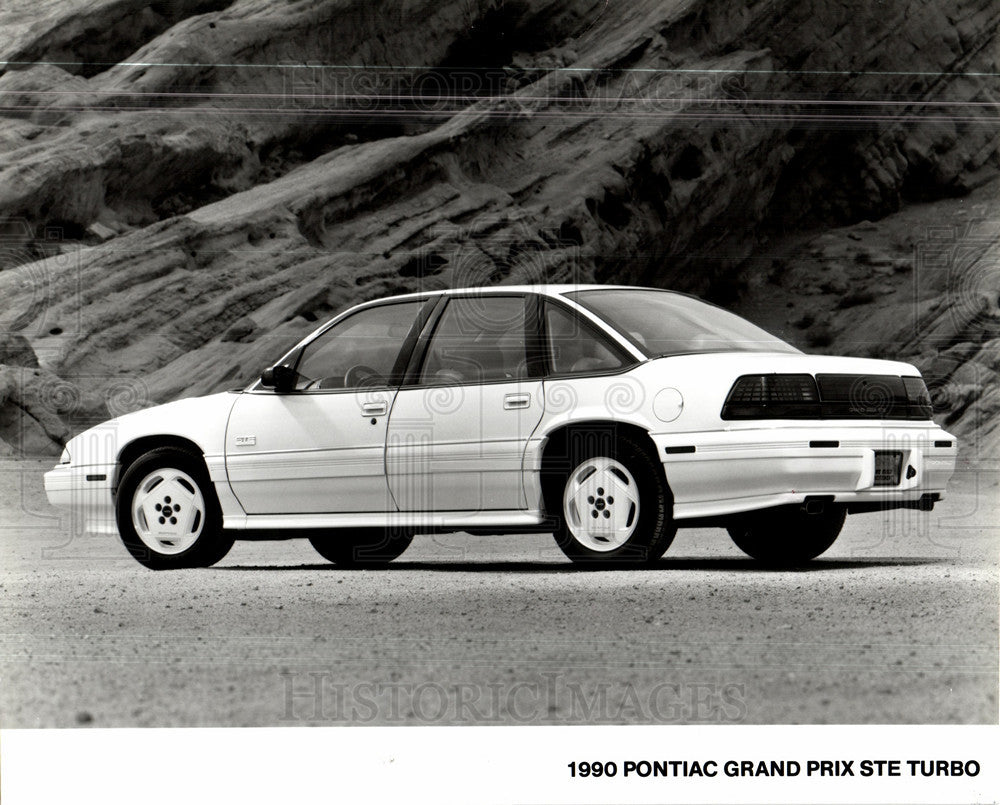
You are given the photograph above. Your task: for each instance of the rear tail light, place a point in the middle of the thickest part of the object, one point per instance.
(827, 396)
(918, 398)
(863, 396)
(772, 397)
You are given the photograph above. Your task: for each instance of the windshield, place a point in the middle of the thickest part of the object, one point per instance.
(665, 323)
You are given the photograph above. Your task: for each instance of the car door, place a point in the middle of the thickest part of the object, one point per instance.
(472, 397)
(321, 447)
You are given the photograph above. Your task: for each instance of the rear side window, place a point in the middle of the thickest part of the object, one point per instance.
(478, 340)
(576, 348)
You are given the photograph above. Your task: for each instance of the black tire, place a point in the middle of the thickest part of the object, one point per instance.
(362, 547)
(652, 529)
(788, 535)
(201, 546)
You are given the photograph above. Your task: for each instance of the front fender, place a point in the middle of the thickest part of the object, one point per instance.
(200, 420)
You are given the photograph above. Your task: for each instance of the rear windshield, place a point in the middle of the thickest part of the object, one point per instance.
(665, 323)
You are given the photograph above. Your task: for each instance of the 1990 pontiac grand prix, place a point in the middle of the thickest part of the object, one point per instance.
(607, 415)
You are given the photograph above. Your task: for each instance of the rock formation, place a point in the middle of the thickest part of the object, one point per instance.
(187, 188)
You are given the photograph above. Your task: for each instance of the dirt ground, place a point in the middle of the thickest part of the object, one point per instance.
(897, 623)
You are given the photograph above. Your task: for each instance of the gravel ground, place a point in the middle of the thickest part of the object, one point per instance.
(897, 623)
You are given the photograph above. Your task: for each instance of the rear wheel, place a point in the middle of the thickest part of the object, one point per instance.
(789, 535)
(613, 503)
(167, 512)
(363, 547)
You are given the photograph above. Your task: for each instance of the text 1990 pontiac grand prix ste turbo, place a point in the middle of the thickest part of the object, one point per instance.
(607, 415)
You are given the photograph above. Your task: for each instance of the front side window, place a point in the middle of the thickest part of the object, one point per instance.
(664, 323)
(574, 348)
(358, 352)
(478, 340)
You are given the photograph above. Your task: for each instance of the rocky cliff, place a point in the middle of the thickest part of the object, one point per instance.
(186, 188)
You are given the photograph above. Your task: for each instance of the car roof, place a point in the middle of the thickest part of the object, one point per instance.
(556, 289)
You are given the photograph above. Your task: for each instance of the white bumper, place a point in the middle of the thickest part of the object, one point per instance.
(86, 492)
(724, 472)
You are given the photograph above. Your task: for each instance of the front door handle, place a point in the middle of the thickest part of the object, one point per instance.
(377, 408)
(512, 401)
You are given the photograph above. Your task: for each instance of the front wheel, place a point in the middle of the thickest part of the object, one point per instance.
(362, 547)
(168, 513)
(614, 505)
(789, 535)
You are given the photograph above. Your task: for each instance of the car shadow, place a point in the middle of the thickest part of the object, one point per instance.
(739, 564)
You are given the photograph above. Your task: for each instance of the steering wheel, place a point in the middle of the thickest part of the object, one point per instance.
(358, 374)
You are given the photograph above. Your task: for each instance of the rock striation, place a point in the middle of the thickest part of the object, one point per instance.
(188, 193)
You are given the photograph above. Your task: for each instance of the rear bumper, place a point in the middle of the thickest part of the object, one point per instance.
(725, 472)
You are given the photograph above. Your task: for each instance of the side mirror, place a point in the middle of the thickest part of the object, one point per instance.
(281, 378)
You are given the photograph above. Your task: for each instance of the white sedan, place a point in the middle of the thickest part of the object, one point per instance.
(609, 416)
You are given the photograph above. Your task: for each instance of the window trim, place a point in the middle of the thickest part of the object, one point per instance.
(409, 344)
(416, 360)
(419, 355)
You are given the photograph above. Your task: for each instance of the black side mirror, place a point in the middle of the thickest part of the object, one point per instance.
(280, 378)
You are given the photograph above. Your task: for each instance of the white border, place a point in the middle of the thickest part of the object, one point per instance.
(479, 764)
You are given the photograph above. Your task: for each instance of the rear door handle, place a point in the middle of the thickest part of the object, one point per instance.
(511, 401)
(374, 408)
